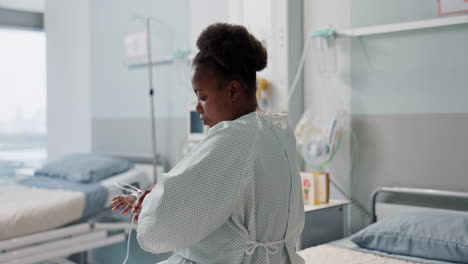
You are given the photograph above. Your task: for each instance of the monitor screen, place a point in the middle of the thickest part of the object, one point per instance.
(196, 124)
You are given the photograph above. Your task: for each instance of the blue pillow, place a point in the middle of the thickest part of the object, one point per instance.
(437, 236)
(84, 168)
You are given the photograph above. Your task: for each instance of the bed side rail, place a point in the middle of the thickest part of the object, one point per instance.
(413, 191)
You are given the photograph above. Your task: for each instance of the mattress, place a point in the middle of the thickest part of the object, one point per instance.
(331, 254)
(38, 204)
(345, 251)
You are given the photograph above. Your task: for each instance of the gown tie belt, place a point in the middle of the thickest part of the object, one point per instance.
(270, 248)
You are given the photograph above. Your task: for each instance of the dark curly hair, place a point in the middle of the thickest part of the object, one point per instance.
(232, 53)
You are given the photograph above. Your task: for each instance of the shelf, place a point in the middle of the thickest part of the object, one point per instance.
(331, 203)
(405, 26)
(154, 63)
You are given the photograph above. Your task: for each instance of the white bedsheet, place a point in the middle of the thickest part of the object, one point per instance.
(37, 209)
(330, 254)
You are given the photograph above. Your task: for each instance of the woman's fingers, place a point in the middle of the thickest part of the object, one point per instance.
(127, 199)
(135, 217)
(130, 199)
(113, 203)
(117, 207)
(128, 202)
(127, 208)
(116, 198)
(137, 205)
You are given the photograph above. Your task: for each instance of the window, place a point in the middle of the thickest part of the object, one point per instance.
(23, 132)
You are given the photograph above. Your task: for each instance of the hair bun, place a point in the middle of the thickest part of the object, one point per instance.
(233, 47)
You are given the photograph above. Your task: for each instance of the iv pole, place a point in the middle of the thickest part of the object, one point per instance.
(148, 21)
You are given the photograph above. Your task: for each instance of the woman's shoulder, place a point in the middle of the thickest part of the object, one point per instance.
(244, 123)
(252, 123)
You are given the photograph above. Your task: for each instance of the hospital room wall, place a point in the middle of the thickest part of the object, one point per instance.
(409, 93)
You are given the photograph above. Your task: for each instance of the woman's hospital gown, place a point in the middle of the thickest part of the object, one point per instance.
(238, 190)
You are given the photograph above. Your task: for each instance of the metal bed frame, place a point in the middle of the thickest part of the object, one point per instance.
(413, 191)
(61, 242)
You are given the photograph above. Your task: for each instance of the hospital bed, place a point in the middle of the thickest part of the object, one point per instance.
(55, 219)
(346, 251)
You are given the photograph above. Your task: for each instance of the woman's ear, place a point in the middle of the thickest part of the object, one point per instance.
(235, 90)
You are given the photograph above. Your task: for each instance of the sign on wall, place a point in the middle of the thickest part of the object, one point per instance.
(135, 47)
(450, 7)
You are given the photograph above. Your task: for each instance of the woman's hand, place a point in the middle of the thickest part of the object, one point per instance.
(124, 201)
(129, 202)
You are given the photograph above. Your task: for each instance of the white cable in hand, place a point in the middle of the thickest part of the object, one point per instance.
(131, 189)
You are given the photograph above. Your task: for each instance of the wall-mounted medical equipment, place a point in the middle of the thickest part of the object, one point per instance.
(138, 46)
(138, 53)
(316, 137)
(325, 50)
(195, 129)
(319, 138)
(263, 92)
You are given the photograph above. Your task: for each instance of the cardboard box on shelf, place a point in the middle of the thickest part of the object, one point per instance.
(315, 187)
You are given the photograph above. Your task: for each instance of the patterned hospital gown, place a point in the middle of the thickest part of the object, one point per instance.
(238, 187)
